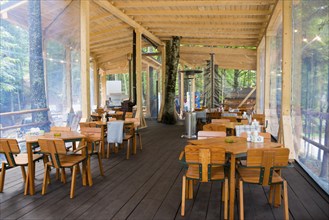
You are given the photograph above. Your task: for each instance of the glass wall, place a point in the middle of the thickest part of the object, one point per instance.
(54, 44)
(310, 88)
(275, 66)
(261, 73)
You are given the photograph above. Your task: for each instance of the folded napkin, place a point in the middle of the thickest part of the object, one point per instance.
(115, 131)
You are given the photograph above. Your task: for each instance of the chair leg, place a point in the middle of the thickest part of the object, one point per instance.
(285, 200)
(241, 199)
(272, 192)
(23, 173)
(100, 164)
(45, 181)
(63, 176)
(190, 189)
(226, 199)
(140, 142)
(108, 151)
(90, 179)
(74, 174)
(128, 144)
(2, 176)
(183, 196)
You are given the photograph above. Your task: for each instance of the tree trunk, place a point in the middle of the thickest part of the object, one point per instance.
(36, 69)
(172, 54)
(236, 80)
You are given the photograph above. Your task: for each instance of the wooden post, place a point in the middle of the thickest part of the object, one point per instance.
(84, 50)
(149, 70)
(96, 84)
(139, 112)
(259, 81)
(163, 80)
(181, 75)
(103, 88)
(286, 77)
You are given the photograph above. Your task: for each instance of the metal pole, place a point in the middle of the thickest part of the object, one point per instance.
(212, 73)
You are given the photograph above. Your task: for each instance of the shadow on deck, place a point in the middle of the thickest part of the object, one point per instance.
(148, 186)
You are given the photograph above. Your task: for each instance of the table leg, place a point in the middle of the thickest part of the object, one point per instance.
(134, 144)
(103, 142)
(30, 169)
(232, 186)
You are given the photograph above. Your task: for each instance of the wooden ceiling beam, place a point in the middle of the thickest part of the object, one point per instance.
(217, 50)
(218, 42)
(117, 55)
(213, 19)
(109, 30)
(111, 38)
(178, 24)
(142, 4)
(207, 35)
(205, 30)
(109, 43)
(125, 18)
(198, 12)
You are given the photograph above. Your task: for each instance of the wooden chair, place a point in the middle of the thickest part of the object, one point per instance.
(128, 115)
(129, 134)
(245, 122)
(204, 164)
(87, 124)
(136, 122)
(219, 121)
(231, 118)
(95, 144)
(11, 150)
(260, 118)
(214, 127)
(260, 169)
(266, 135)
(210, 134)
(55, 148)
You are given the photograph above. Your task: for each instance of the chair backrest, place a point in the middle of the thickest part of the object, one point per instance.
(112, 119)
(218, 121)
(267, 159)
(128, 115)
(244, 128)
(205, 157)
(129, 128)
(100, 111)
(53, 147)
(91, 134)
(87, 124)
(266, 135)
(260, 118)
(135, 120)
(231, 118)
(214, 127)
(210, 134)
(56, 128)
(245, 121)
(9, 147)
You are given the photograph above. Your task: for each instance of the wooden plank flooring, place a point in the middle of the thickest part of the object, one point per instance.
(148, 186)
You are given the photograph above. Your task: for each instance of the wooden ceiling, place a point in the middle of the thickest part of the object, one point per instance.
(221, 27)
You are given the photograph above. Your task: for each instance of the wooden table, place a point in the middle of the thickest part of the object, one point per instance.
(239, 147)
(31, 141)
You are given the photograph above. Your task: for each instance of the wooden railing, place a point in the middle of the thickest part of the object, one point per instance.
(20, 113)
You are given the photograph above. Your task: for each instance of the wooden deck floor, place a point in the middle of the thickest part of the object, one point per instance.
(148, 186)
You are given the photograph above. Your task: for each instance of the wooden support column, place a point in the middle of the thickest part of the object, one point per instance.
(96, 84)
(68, 80)
(84, 51)
(163, 80)
(103, 88)
(181, 75)
(259, 82)
(149, 70)
(267, 77)
(286, 78)
(139, 112)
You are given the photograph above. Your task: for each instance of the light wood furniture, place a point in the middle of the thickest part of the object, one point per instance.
(260, 118)
(11, 150)
(265, 135)
(231, 118)
(55, 149)
(260, 169)
(136, 122)
(32, 141)
(214, 127)
(219, 121)
(95, 143)
(59, 129)
(238, 147)
(204, 164)
(210, 134)
(129, 135)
